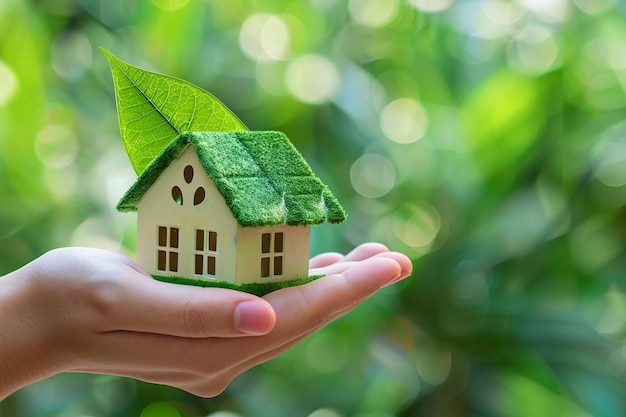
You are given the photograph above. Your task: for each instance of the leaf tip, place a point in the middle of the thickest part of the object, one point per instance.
(108, 54)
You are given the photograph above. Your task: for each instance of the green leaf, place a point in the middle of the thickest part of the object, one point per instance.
(154, 108)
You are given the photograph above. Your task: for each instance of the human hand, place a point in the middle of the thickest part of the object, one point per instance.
(90, 310)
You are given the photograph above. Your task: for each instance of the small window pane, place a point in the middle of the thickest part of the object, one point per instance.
(173, 237)
(177, 195)
(174, 261)
(278, 242)
(199, 239)
(210, 268)
(161, 262)
(188, 173)
(265, 243)
(162, 236)
(265, 267)
(199, 266)
(278, 265)
(213, 241)
(198, 196)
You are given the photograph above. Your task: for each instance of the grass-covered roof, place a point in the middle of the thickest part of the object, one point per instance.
(263, 178)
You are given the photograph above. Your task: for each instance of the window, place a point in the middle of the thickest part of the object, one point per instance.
(198, 196)
(272, 245)
(177, 195)
(188, 174)
(205, 258)
(167, 249)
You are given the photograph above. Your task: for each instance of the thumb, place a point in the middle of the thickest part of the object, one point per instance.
(151, 306)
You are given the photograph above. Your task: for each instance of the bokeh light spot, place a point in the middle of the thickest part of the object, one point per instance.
(224, 414)
(432, 6)
(8, 83)
(594, 7)
(326, 354)
(398, 383)
(373, 13)
(606, 52)
(534, 50)
(372, 175)
(469, 17)
(404, 120)
(604, 91)
(325, 412)
(434, 364)
(170, 5)
(160, 409)
(312, 79)
(613, 319)
(553, 11)
(593, 244)
(56, 146)
(502, 12)
(68, 177)
(470, 280)
(416, 224)
(264, 37)
(96, 233)
(113, 393)
(71, 55)
(271, 77)
(610, 166)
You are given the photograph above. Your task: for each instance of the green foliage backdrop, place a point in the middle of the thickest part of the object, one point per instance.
(484, 138)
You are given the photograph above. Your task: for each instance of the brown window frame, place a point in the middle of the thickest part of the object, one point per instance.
(206, 252)
(168, 244)
(272, 253)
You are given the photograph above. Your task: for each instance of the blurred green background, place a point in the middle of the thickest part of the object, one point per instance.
(486, 139)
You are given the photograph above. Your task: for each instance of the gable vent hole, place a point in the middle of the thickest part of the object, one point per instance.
(188, 174)
(177, 195)
(199, 195)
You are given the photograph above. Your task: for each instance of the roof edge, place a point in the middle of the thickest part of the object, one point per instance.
(133, 196)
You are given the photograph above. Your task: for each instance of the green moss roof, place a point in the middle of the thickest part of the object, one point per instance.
(263, 178)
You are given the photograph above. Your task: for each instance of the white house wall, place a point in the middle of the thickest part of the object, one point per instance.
(295, 253)
(158, 208)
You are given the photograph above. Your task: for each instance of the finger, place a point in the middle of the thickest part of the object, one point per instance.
(365, 251)
(361, 252)
(406, 266)
(142, 304)
(341, 266)
(332, 269)
(334, 292)
(324, 259)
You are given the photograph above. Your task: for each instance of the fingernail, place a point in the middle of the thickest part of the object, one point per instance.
(395, 279)
(253, 318)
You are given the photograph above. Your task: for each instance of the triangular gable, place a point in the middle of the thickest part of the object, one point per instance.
(263, 178)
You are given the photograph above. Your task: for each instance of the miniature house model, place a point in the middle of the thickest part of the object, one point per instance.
(228, 206)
